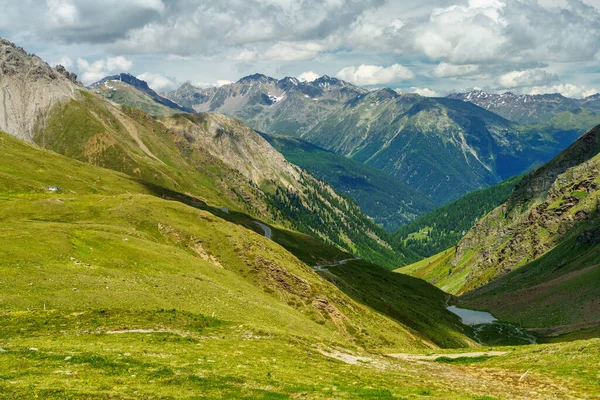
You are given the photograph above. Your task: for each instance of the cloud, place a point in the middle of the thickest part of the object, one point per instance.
(89, 21)
(118, 63)
(91, 72)
(223, 82)
(245, 55)
(308, 76)
(62, 13)
(426, 92)
(286, 30)
(567, 90)
(445, 70)
(176, 57)
(64, 61)
(530, 77)
(288, 51)
(157, 82)
(510, 31)
(375, 75)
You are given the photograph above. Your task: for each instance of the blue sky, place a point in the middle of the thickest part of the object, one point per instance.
(429, 46)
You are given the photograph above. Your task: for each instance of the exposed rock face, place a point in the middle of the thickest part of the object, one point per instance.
(69, 75)
(287, 106)
(236, 145)
(28, 89)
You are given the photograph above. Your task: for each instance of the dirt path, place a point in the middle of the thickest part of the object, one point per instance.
(433, 357)
(323, 267)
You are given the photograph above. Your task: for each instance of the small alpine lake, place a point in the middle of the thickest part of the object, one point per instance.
(472, 317)
(489, 331)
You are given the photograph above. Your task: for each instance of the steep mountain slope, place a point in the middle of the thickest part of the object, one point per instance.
(445, 226)
(441, 147)
(389, 202)
(539, 249)
(214, 158)
(92, 239)
(28, 89)
(530, 109)
(287, 106)
(128, 90)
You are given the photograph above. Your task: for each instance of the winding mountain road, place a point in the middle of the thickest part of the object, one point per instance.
(265, 228)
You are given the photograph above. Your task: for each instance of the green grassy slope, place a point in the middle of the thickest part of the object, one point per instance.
(557, 293)
(389, 202)
(104, 241)
(445, 226)
(408, 300)
(130, 141)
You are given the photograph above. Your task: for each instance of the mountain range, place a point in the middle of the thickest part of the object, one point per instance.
(455, 148)
(530, 109)
(185, 253)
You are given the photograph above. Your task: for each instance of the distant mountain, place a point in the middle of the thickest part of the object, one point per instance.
(455, 147)
(441, 147)
(535, 258)
(389, 202)
(129, 90)
(286, 106)
(529, 109)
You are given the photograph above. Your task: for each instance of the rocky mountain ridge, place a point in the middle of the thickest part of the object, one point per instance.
(29, 88)
(110, 86)
(286, 106)
(528, 109)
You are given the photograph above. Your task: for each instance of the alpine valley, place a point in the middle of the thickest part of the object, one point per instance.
(278, 238)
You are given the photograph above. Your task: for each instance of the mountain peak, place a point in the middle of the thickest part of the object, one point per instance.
(127, 78)
(256, 78)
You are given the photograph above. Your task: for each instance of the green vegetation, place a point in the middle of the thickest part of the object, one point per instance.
(129, 141)
(533, 261)
(389, 202)
(455, 147)
(408, 300)
(445, 226)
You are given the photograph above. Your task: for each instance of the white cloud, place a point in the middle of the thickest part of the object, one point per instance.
(176, 57)
(567, 90)
(445, 70)
(308, 76)
(291, 51)
(426, 92)
(464, 34)
(529, 77)
(62, 13)
(119, 63)
(64, 61)
(245, 55)
(223, 82)
(375, 74)
(157, 82)
(91, 72)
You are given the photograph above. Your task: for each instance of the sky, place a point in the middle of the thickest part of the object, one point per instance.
(431, 47)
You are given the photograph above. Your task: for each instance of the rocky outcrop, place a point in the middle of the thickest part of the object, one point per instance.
(29, 88)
